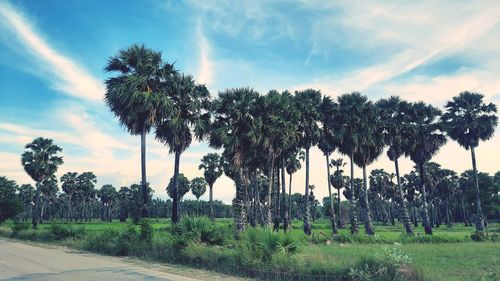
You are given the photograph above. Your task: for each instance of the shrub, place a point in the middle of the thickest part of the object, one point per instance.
(198, 230)
(18, 226)
(478, 236)
(146, 230)
(258, 245)
(66, 231)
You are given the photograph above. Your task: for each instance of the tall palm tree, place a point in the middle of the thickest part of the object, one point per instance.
(337, 180)
(327, 146)
(134, 96)
(425, 137)
(392, 113)
(307, 103)
(69, 186)
(212, 166)
(351, 113)
(278, 128)
(189, 117)
(469, 120)
(370, 146)
(40, 161)
(233, 130)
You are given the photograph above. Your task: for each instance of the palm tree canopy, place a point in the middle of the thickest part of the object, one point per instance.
(234, 126)
(393, 113)
(369, 135)
(469, 120)
(107, 193)
(69, 182)
(307, 103)
(292, 163)
(134, 96)
(327, 141)
(425, 135)
(189, 113)
(211, 164)
(353, 109)
(41, 159)
(198, 187)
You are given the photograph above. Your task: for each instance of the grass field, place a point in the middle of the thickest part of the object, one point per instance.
(449, 255)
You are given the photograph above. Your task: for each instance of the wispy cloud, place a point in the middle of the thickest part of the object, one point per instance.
(65, 74)
(205, 67)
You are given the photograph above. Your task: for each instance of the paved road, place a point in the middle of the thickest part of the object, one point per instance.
(24, 262)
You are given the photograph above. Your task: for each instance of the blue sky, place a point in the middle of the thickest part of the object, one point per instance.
(52, 55)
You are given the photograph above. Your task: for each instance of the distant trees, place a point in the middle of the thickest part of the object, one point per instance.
(211, 164)
(10, 201)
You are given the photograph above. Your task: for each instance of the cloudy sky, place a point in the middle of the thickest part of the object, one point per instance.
(52, 55)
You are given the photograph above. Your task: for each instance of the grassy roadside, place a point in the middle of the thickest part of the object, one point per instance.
(450, 256)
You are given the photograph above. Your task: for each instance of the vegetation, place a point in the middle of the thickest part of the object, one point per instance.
(259, 138)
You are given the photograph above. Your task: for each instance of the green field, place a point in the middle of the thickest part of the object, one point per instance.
(448, 255)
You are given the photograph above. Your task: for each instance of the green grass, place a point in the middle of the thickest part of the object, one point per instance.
(451, 255)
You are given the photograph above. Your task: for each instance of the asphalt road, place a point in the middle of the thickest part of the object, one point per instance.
(24, 262)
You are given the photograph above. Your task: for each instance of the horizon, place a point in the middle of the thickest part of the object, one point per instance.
(55, 72)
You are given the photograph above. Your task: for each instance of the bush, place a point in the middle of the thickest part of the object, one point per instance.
(198, 230)
(258, 245)
(478, 236)
(146, 230)
(66, 231)
(18, 226)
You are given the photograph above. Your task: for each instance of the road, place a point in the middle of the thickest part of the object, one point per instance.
(24, 262)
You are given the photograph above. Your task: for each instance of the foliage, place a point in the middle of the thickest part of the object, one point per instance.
(66, 231)
(10, 202)
(198, 230)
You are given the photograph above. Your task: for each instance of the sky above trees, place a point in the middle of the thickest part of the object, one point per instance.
(52, 56)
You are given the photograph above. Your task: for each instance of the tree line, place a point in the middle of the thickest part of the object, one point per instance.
(265, 137)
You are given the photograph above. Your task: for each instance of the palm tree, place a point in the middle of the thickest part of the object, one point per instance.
(233, 130)
(351, 114)
(40, 161)
(198, 188)
(327, 146)
(424, 137)
(292, 166)
(468, 120)
(370, 146)
(189, 116)
(307, 103)
(212, 166)
(69, 186)
(107, 194)
(134, 96)
(392, 113)
(337, 180)
(277, 117)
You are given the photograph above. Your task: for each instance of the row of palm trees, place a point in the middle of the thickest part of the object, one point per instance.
(263, 134)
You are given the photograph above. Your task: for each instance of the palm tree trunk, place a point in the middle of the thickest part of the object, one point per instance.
(479, 211)
(352, 207)
(239, 204)
(270, 174)
(284, 211)
(425, 212)
(464, 214)
(366, 207)
(175, 199)
(145, 196)
(290, 201)
(339, 215)
(211, 203)
(333, 220)
(404, 211)
(277, 204)
(35, 213)
(307, 215)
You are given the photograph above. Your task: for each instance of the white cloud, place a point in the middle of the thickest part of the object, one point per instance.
(65, 74)
(205, 68)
